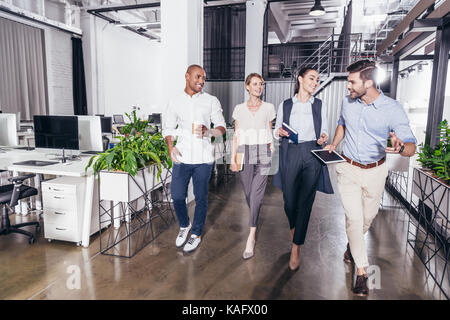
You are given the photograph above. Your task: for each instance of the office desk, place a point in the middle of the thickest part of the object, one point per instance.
(73, 169)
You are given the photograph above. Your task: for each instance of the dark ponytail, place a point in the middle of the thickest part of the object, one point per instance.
(301, 73)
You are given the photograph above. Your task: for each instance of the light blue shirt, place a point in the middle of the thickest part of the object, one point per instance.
(301, 119)
(367, 127)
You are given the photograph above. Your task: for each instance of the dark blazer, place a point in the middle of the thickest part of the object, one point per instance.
(324, 184)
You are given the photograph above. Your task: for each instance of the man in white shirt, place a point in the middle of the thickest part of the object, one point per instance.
(192, 111)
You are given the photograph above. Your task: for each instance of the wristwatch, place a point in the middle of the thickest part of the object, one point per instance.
(401, 148)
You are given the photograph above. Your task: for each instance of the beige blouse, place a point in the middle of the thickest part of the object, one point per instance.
(253, 127)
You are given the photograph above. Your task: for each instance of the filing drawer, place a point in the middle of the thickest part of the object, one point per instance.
(60, 201)
(65, 218)
(49, 187)
(59, 232)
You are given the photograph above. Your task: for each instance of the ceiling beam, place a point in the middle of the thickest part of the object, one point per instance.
(314, 26)
(418, 9)
(439, 12)
(128, 7)
(280, 24)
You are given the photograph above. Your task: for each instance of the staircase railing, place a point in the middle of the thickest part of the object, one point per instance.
(334, 54)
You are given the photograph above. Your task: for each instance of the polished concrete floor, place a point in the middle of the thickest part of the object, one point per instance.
(216, 269)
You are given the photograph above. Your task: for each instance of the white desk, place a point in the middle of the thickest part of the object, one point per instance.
(72, 169)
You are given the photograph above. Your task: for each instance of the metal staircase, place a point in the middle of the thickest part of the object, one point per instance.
(332, 58)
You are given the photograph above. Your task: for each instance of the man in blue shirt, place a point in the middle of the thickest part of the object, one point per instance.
(368, 118)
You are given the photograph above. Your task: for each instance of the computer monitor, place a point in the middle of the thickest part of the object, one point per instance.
(8, 130)
(56, 132)
(106, 124)
(90, 133)
(155, 118)
(118, 118)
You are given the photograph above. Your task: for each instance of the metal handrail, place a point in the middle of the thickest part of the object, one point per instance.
(324, 58)
(329, 50)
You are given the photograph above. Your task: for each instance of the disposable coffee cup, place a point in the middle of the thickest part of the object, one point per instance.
(196, 126)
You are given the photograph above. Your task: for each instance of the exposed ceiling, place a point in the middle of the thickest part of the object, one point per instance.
(288, 20)
(291, 22)
(140, 16)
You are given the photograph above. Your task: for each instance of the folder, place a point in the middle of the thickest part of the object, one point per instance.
(240, 160)
(293, 134)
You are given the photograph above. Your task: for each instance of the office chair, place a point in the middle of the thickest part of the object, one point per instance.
(10, 195)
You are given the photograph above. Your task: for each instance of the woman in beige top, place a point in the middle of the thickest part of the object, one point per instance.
(253, 140)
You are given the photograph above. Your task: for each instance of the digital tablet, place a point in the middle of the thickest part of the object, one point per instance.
(326, 157)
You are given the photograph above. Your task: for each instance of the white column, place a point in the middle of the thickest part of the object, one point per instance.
(68, 14)
(182, 42)
(93, 64)
(254, 34)
(41, 6)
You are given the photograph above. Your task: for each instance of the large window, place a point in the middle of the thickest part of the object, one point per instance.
(224, 42)
(282, 60)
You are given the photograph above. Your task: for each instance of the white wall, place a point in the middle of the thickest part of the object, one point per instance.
(414, 94)
(122, 69)
(446, 114)
(182, 42)
(132, 72)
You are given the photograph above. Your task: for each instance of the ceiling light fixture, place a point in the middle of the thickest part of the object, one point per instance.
(317, 9)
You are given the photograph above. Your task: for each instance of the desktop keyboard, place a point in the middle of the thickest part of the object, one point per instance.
(35, 163)
(24, 148)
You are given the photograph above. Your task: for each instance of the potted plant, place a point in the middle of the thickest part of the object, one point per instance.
(134, 165)
(438, 159)
(432, 182)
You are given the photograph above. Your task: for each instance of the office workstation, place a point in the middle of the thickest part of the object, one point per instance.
(85, 88)
(63, 146)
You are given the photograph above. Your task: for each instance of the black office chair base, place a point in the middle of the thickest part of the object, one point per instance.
(7, 228)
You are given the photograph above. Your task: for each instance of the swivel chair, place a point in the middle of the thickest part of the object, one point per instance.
(10, 194)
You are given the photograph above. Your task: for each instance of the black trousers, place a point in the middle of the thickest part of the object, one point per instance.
(299, 186)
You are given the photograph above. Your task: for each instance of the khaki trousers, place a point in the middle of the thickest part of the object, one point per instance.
(361, 191)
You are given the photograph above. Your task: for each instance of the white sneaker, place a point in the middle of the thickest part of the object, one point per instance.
(182, 236)
(192, 243)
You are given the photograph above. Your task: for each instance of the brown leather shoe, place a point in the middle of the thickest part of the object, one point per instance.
(360, 288)
(348, 255)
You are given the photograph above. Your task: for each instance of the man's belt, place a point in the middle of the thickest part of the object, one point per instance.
(364, 166)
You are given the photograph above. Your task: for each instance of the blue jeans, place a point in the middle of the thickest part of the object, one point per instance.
(181, 176)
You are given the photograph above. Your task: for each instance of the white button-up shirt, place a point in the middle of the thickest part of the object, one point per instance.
(184, 110)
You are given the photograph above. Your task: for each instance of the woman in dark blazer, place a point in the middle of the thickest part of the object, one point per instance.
(300, 173)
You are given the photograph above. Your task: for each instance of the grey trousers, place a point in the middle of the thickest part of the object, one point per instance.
(253, 176)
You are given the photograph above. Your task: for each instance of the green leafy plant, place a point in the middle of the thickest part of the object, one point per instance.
(438, 159)
(139, 146)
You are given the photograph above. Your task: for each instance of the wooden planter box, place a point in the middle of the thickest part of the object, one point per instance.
(121, 186)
